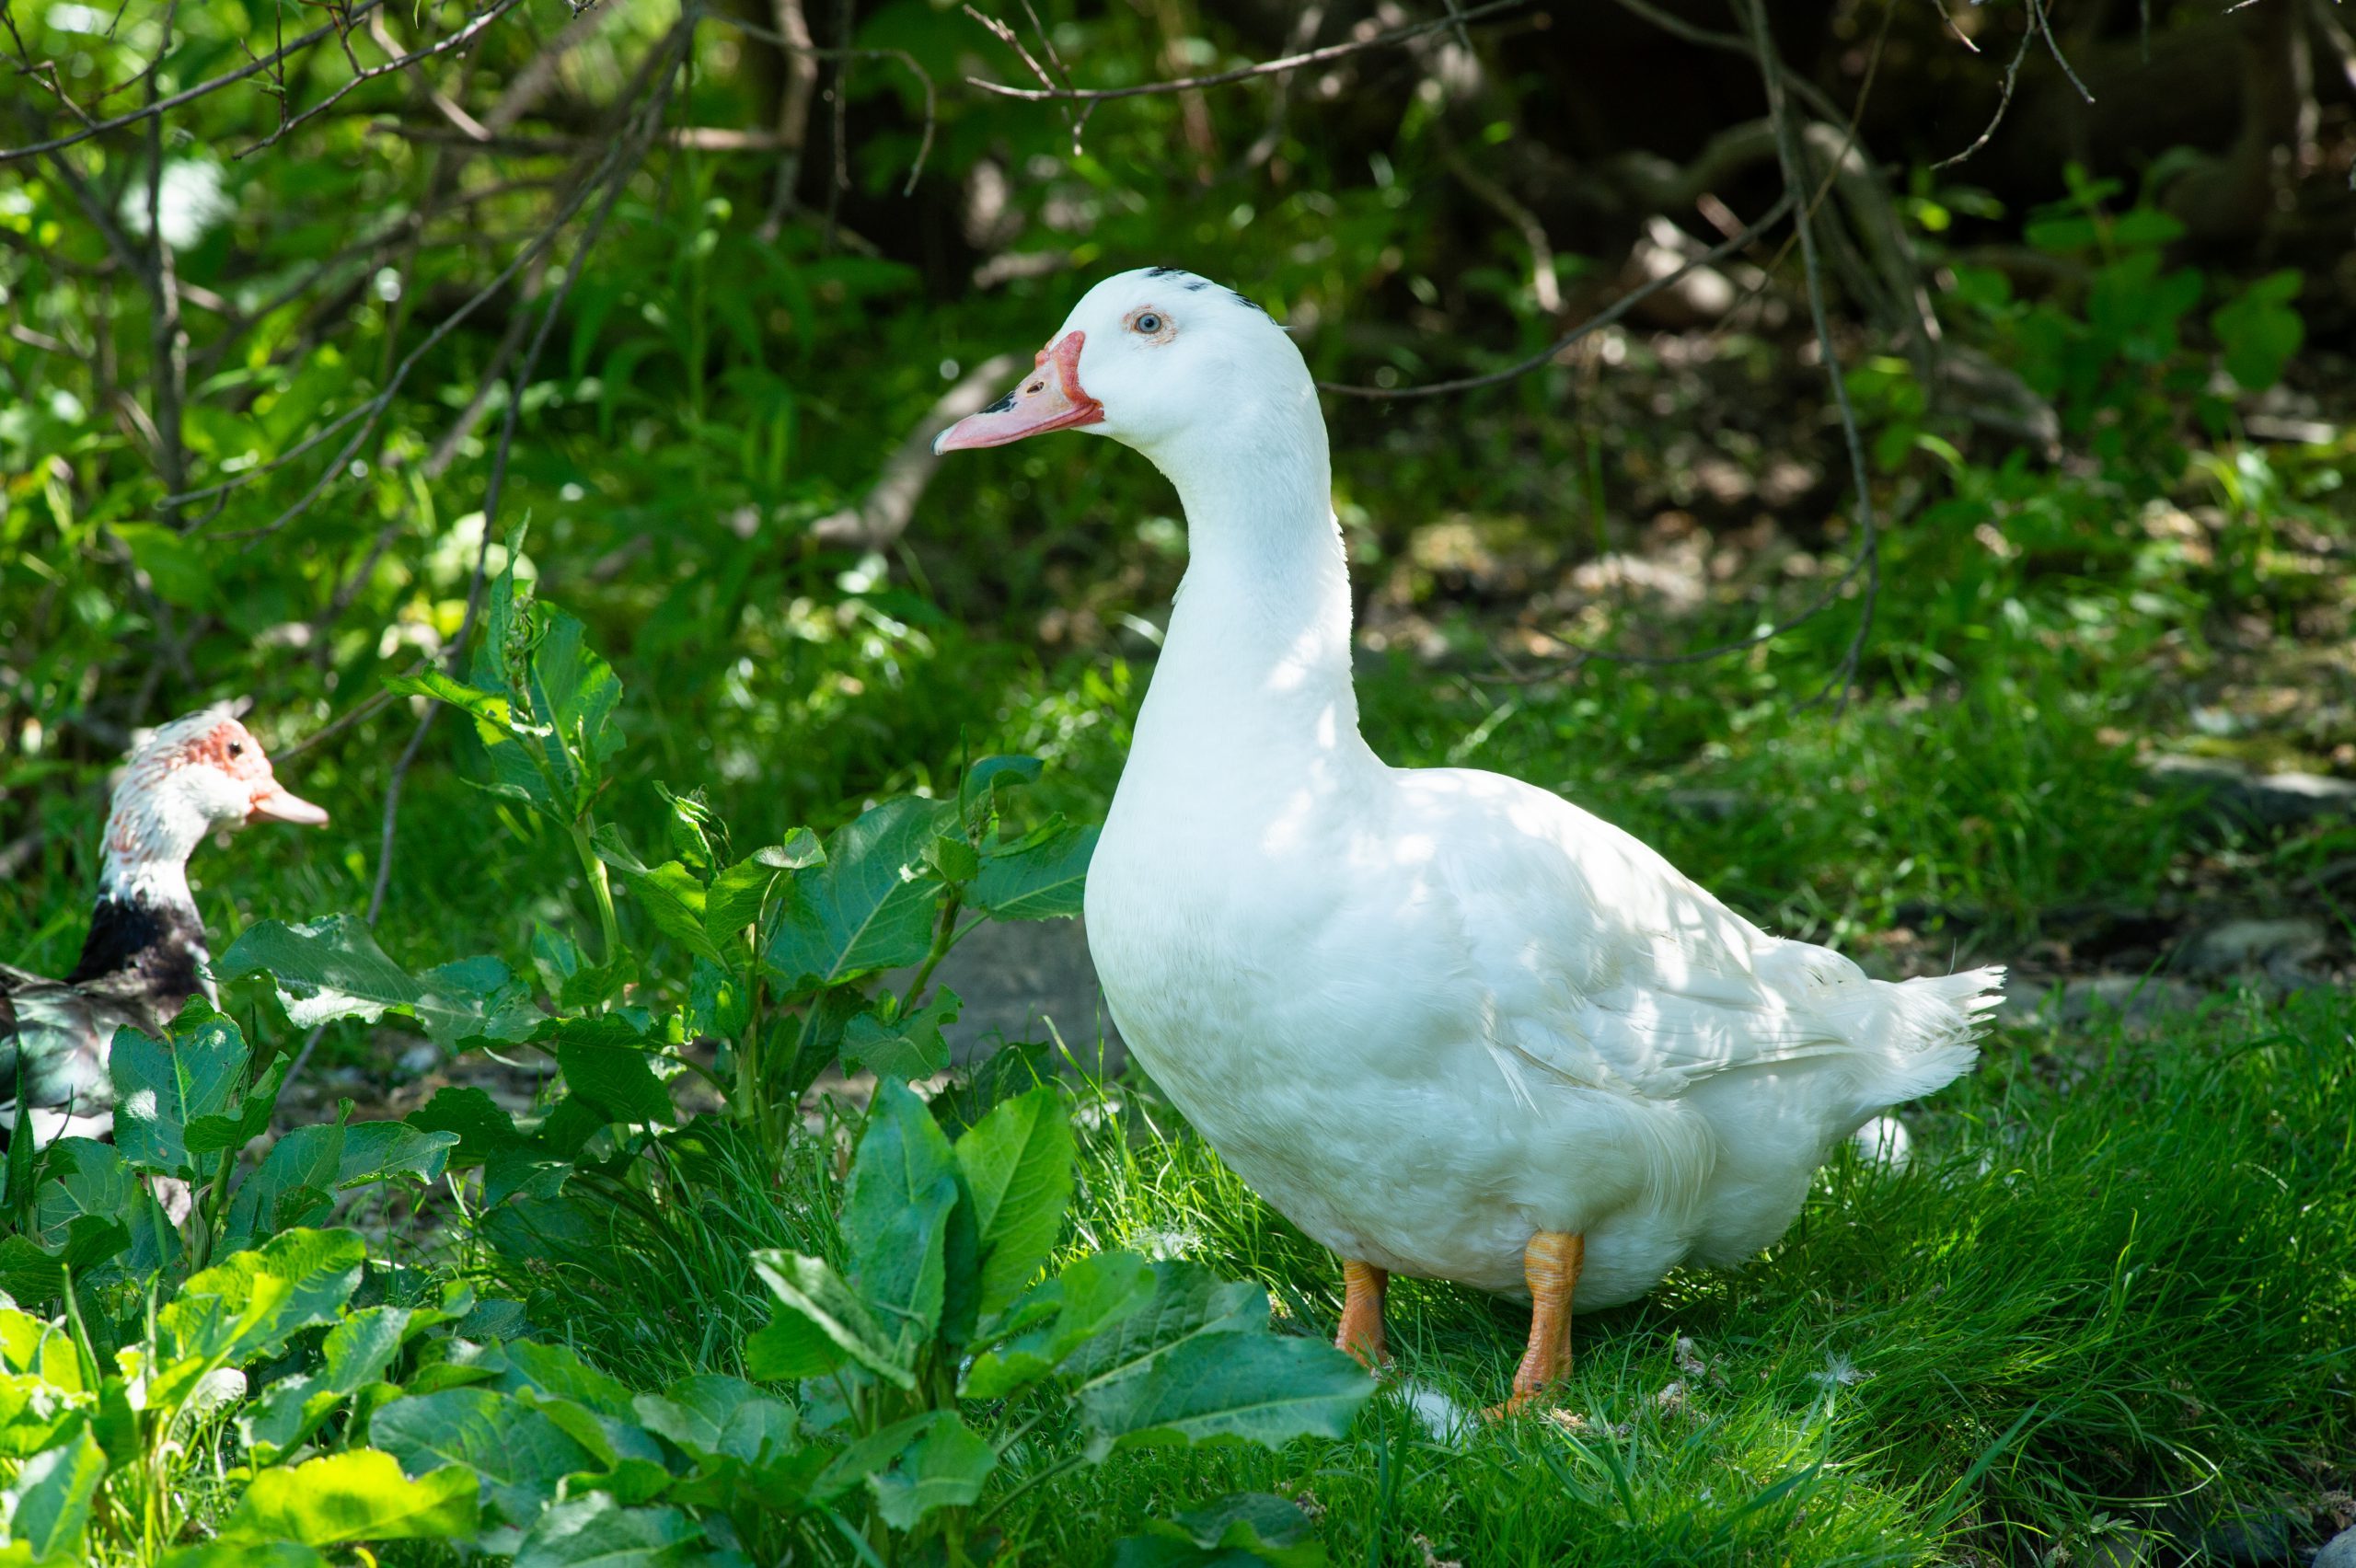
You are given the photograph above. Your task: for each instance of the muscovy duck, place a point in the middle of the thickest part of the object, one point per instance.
(145, 953)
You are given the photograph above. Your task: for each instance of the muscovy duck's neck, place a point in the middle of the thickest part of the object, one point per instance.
(1254, 673)
(145, 927)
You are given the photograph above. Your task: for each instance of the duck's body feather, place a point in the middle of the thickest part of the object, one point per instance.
(1426, 1013)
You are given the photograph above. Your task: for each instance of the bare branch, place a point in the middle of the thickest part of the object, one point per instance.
(1614, 312)
(2004, 101)
(189, 95)
(1052, 94)
(2041, 13)
(168, 343)
(459, 40)
(1795, 171)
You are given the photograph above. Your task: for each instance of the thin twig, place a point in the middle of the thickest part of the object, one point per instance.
(168, 345)
(2005, 102)
(189, 95)
(459, 40)
(1218, 79)
(1868, 547)
(1605, 318)
(2041, 12)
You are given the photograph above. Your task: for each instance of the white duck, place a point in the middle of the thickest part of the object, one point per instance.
(144, 955)
(1449, 1024)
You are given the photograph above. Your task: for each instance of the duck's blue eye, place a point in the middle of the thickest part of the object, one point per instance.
(1148, 323)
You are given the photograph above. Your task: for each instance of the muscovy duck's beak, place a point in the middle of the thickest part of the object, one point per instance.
(274, 803)
(1049, 398)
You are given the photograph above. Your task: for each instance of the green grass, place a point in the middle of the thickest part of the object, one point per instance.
(2112, 1292)
(2114, 1286)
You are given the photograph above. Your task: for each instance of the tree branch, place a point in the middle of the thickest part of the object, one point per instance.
(1051, 94)
(189, 95)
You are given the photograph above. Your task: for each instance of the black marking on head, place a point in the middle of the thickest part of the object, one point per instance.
(156, 945)
(1192, 284)
(1249, 304)
(1001, 405)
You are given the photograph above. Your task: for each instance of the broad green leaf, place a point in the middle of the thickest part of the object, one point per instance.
(573, 689)
(946, 1467)
(896, 1212)
(559, 1371)
(712, 1417)
(333, 969)
(1252, 1387)
(674, 900)
(380, 1151)
(482, 1126)
(1243, 1527)
(354, 1355)
(871, 905)
(490, 708)
(84, 1216)
(977, 792)
(1017, 1164)
(1043, 877)
(159, 1089)
(733, 901)
(577, 985)
(1092, 1294)
(789, 1347)
(245, 1554)
(2260, 331)
(294, 1185)
(801, 849)
(720, 1001)
(47, 1507)
(360, 1494)
(607, 1064)
(211, 1134)
(1187, 1300)
(516, 1454)
(956, 859)
(808, 1287)
(250, 1305)
(596, 1531)
(902, 1048)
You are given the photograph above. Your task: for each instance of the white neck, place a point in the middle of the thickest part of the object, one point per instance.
(150, 834)
(1254, 681)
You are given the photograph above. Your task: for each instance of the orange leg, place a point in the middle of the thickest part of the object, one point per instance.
(1550, 1265)
(1361, 1335)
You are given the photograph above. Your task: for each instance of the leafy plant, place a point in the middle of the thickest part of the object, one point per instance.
(169, 1195)
(97, 1448)
(925, 1369)
(2109, 349)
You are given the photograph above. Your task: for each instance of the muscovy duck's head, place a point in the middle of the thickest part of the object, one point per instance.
(197, 774)
(1153, 358)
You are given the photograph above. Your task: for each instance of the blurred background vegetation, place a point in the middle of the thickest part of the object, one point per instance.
(679, 286)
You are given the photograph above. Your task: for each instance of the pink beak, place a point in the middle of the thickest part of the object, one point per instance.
(274, 803)
(1050, 398)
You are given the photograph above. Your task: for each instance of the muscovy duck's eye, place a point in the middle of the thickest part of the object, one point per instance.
(1148, 323)
(236, 749)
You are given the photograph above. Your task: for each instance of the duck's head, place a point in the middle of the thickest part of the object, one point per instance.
(200, 774)
(1153, 358)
